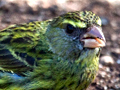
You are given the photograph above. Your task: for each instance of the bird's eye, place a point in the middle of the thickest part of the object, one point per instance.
(70, 29)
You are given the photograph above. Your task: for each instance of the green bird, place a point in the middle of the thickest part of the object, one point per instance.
(56, 54)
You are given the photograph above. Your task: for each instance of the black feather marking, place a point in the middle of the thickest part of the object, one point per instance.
(18, 40)
(72, 83)
(42, 52)
(17, 53)
(30, 60)
(4, 51)
(33, 50)
(6, 57)
(7, 40)
(23, 55)
(39, 58)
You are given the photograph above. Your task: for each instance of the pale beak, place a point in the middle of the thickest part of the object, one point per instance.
(94, 38)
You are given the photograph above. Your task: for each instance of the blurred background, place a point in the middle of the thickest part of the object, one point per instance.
(23, 11)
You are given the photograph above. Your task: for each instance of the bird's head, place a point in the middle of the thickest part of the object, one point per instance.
(74, 32)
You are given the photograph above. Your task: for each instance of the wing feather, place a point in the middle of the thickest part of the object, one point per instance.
(21, 46)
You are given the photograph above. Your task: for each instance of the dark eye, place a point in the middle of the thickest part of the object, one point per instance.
(70, 29)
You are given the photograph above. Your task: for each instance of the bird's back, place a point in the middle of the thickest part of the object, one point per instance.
(21, 46)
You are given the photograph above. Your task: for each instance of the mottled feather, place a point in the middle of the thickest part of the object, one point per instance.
(40, 55)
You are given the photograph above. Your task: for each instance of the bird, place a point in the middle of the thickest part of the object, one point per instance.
(57, 54)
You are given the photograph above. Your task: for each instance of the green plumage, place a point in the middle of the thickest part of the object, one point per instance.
(40, 55)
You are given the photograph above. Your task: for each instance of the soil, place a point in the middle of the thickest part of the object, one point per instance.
(23, 11)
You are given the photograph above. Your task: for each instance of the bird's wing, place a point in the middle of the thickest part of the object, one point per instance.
(22, 45)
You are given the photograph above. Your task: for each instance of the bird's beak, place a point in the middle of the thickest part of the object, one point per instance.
(94, 38)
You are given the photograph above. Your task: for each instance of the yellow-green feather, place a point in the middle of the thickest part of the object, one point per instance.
(58, 62)
(23, 39)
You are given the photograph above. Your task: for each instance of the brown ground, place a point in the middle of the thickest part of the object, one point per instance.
(20, 11)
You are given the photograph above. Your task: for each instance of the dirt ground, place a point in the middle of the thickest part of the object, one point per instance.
(108, 77)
